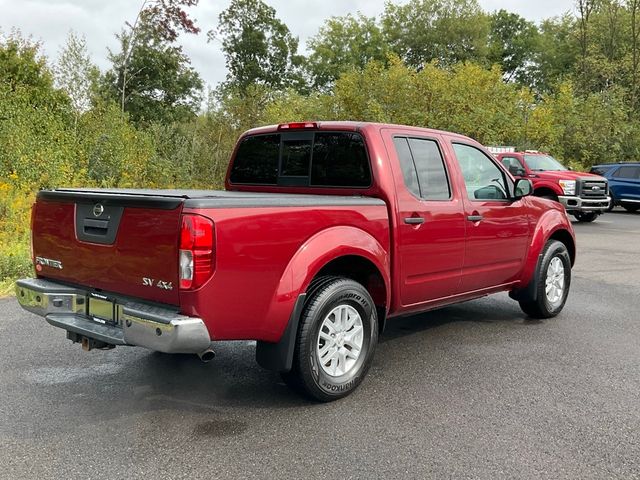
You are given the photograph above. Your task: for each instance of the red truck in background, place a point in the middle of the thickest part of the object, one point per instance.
(324, 233)
(584, 195)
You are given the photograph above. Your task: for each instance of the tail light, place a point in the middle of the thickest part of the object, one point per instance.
(196, 251)
(297, 126)
(33, 219)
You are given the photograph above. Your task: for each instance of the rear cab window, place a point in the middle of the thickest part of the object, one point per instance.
(306, 159)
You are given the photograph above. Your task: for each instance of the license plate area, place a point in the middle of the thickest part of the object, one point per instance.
(102, 310)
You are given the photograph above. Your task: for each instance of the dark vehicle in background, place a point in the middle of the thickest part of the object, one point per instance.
(584, 195)
(624, 183)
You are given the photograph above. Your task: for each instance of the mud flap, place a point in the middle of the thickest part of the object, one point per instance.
(278, 356)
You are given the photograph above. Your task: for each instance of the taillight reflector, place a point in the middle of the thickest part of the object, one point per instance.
(196, 251)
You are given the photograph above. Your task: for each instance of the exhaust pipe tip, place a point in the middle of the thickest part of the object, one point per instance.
(207, 355)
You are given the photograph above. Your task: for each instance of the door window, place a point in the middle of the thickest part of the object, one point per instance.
(409, 172)
(629, 171)
(423, 168)
(514, 166)
(482, 177)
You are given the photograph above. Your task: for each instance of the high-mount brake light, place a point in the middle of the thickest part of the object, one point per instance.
(196, 251)
(297, 125)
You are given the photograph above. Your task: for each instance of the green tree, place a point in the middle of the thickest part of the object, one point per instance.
(466, 98)
(559, 52)
(449, 31)
(514, 45)
(164, 20)
(259, 48)
(341, 44)
(34, 118)
(161, 84)
(76, 74)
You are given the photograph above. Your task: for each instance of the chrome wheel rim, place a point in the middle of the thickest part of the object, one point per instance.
(340, 340)
(554, 283)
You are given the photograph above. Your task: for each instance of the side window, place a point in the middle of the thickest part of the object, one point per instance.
(483, 179)
(513, 165)
(406, 164)
(630, 171)
(432, 177)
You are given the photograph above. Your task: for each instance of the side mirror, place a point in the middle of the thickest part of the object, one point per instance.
(490, 192)
(522, 188)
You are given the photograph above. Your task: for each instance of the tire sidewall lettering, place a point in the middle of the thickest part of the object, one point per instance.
(346, 382)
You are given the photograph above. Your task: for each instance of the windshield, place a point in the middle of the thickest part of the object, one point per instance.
(542, 163)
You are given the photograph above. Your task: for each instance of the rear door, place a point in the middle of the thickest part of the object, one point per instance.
(123, 244)
(497, 227)
(626, 181)
(431, 225)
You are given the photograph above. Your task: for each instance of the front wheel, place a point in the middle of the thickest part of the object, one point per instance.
(586, 217)
(631, 208)
(336, 340)
(552, 282)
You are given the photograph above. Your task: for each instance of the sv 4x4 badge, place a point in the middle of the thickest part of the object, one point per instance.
(150, 282)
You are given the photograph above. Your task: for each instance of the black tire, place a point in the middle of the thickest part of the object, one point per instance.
(586, 217)
(612, 204)
(542, 307)
(308, 375)
(549, 197)
(631, 208)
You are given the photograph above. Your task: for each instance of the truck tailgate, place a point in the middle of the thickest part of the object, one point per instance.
(121, 243)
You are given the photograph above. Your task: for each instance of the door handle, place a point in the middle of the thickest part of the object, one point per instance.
(475, 218)
(413, 220)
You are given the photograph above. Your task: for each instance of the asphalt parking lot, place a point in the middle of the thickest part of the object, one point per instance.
(470, 391)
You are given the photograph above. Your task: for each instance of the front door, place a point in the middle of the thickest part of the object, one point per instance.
(497, 226)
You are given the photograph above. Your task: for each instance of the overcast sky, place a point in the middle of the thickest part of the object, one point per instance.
(98, 20)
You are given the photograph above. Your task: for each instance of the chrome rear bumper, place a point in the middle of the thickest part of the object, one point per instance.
(154, 327)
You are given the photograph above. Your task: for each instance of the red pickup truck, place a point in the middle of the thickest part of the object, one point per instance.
(325, 232)
(584, 195)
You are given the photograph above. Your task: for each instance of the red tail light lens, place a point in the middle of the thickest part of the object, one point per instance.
(196, 251)
(33, 219)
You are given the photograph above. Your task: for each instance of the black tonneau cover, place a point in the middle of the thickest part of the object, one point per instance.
(170, 199)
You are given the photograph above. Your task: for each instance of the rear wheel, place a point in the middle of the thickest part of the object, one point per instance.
(551, 283)
(631, 208)
(336, 340)
(586, 216)
(612, 204)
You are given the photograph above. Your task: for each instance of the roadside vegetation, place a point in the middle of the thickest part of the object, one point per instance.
(568, 85)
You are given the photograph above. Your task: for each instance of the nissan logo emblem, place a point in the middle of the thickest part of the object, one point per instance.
(97, 210)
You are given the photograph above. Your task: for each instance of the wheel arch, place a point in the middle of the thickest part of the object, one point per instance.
(337, 251)
(552, 225)
(565, 237)
(546, 189)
